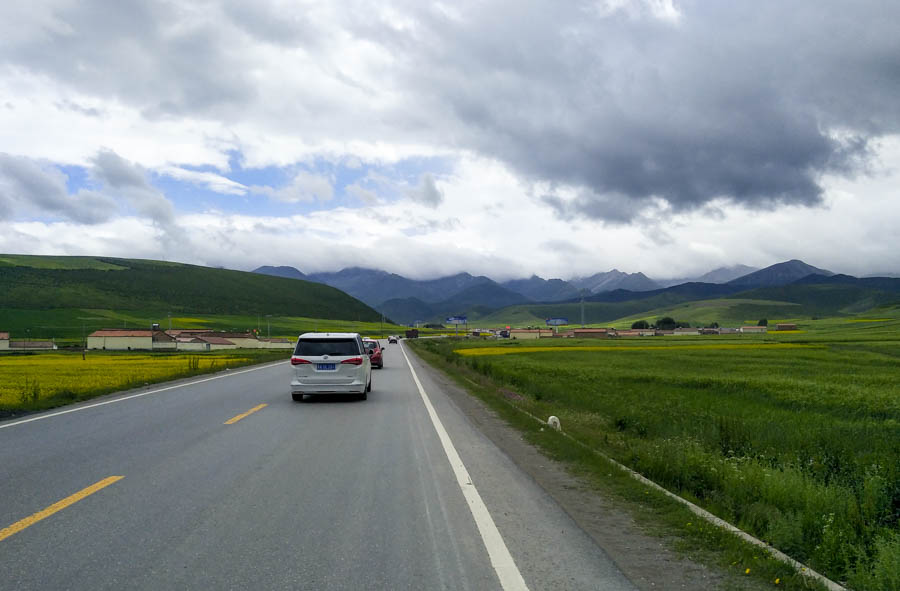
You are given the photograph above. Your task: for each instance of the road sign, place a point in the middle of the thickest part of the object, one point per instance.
(557, 321)
(457, 320)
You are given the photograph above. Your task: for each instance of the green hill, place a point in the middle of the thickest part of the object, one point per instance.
(59, 290)
(841, 297)
(725, 311)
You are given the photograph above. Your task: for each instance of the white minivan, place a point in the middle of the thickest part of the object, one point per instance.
(330, 363)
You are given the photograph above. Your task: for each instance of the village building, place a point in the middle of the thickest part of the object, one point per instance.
(724, 330)
(785, 326)
(686, 331)
(530, 333)
(26, 345)
(636, 332)
(753, 329)
(30, 345)
(243, 340)
(594, 333)
(708, 330)
(191, 343)
(275, 343)
(218, 343)
(116, 339)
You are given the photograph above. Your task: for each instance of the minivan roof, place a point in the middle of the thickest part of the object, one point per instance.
(329, 335)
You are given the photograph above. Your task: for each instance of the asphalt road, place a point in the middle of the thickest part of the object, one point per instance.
(325, 494)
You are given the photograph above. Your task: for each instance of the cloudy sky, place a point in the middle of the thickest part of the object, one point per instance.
(499, 138)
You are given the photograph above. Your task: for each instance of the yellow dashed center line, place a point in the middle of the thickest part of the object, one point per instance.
(58, 506)
(234, 420)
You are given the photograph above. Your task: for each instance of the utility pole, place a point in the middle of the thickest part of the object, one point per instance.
(582, 309)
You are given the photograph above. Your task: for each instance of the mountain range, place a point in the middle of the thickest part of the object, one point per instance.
(409, 300)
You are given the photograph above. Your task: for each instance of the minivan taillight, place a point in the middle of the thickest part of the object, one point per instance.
(353, 361)
(299, 361)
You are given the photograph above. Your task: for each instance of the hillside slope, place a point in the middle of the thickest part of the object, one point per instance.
(127, 284)
(283, 271)
(814, 295)
(543, 290)
(779, 274)
(475, 301)
(374, 287)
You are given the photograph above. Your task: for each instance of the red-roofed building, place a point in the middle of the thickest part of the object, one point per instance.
(594, 333)
(32, 346)
(275, 343)
(217, 343)
(115, 339)
(244, 340)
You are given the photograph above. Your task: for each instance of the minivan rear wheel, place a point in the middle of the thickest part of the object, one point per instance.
(297, 397)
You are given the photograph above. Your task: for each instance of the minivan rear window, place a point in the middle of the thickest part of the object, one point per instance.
(334, 347)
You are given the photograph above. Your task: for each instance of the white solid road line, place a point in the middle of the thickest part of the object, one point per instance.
(158, 390)
(502, 561)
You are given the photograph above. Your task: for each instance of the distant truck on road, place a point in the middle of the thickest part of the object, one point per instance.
(412, 333)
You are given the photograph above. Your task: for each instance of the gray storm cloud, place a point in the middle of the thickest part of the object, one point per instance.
(750, 102)
(122, 178)
(427, 192)
(28, 186)
(624, 107)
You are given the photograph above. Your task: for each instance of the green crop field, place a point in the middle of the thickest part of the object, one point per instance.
(37, 381)
(795, 438)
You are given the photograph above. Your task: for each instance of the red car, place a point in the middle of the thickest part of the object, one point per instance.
(373, 348)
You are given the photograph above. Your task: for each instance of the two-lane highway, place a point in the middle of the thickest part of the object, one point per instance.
(228, 483)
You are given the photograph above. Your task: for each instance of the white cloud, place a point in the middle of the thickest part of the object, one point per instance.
(305, 186)
(212, 181)
(28, 187)
(365, 195)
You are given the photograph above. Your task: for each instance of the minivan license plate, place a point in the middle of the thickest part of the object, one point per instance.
(326, 366)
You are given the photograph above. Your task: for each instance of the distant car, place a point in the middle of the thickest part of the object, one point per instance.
(392, 339)
(373, 348)
(330, 363)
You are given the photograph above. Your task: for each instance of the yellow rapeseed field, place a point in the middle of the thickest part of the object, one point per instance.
(478, 351)
(51, 373)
